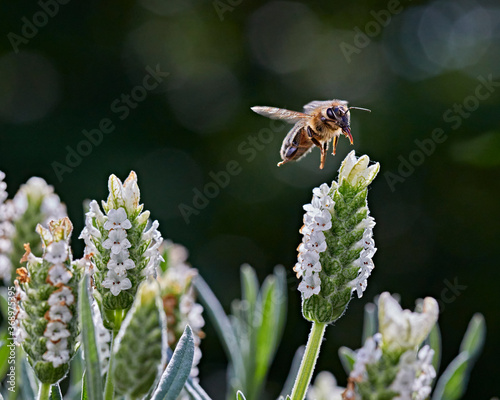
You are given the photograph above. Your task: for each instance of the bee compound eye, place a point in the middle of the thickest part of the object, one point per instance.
(291, 151)
(330, 113)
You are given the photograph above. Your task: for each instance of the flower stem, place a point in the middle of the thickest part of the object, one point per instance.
(308, 361)
(44, 392)
(109, 389)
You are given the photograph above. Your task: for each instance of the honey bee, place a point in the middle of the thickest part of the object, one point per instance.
(320, 122)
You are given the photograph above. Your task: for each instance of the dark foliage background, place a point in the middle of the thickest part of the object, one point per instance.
(436, 224)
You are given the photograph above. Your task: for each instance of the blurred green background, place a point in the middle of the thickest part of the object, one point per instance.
(417, 65)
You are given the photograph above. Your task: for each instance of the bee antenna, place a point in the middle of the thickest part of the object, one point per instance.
(359, 108)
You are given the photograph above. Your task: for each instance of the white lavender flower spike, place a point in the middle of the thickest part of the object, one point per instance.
(391, 365)
(46, 303)
(335, 256)
(122, 250)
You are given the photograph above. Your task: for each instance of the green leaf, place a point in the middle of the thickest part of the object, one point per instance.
(4, 304)
(249, 288)
(281, 298)
(294, 370)
(273, 305)
(453, 382)
(347, 358)
(91, 355)
(4, 353)
(222, 325)
(240, 395)
(434, 341)
(84, 387)
(474, 337)
(29, 383)
(178, 369)
(369, 321)
(195, 391)
(55, 392)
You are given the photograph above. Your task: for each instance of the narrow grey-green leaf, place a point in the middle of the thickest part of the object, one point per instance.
(240, 395)
(266, 332)
(292, 374)
(474, 337)
(195, 391)
(84, 386)
(347, 358)
(29, 383)
(369, 321)
(91, 355)
(222, 325)
(281, 299)
(434, 341)
(55, 392)
(249, 287)
(453, 382)
(178, 369)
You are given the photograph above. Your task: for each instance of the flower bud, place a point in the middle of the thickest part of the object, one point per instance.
(402, 329)
(335, 256)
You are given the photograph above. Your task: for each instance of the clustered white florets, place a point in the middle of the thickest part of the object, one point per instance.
(35, 190)
(117, 224)
(59, 315)
(117, 242)
(364, 261)
(317, 219)
(6, 230)
(415, 375)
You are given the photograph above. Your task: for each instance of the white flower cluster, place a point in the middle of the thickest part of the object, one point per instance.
(103, 338)
(6, 230)
(364, 261)
(179, 300)
(317, 219)
(57, 253)
(35, 191)
(117, 242)
(370, 353)
(325, 388)
(401, 334)
(415, 375)
(19, 334)
(116, 222)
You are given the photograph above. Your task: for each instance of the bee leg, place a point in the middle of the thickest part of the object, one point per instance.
(334, 144)
(323, 157)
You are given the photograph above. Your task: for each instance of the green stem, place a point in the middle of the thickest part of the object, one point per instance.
(44, 391)
(308, 361)
(109, 389)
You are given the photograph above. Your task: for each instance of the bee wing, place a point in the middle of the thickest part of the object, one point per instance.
(309, 107)
(280, 113)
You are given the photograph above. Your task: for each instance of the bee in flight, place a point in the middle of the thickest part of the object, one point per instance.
(320, 122)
